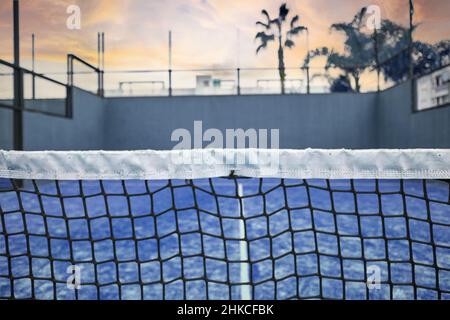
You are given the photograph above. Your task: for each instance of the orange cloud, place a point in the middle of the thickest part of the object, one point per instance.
(205, 32)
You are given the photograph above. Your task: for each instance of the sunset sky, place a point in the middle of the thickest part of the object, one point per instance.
(206, 33)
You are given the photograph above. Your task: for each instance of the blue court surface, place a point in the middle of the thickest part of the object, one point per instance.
(181, 239)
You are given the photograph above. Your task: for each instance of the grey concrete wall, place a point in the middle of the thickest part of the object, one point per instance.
(54, 106)
(6, 130)
(318, 121)
(358, 121)
(85, 131)
(400, 127)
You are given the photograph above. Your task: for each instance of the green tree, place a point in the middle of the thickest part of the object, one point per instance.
(394, 57)
(341, 83)
(275, 29)
(359, 49)
(443, 49)
(385, 50)
(358, 52)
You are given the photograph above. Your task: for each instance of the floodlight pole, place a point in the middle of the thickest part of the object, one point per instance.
(100, 61)
(308, 88)
(170, 63)
(102, 70)
(98, 50)
(411, 47)
(170, 49)
(18, 89)
(238, 54)
(33, 66)
(411, 53)
(103, 51)
(377, 57)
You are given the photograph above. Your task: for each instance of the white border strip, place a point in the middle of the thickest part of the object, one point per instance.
(300, 164)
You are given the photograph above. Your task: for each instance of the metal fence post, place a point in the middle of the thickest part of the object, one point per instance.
(170, 82)
(238, 81)
(69, 70)
(69, 104)
(18, 83)
(19, 105)
(99, 82)
(308, 88)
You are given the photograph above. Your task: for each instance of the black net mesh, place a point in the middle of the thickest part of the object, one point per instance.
(227, 238)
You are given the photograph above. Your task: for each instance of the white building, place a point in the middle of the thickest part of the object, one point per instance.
(434, 89)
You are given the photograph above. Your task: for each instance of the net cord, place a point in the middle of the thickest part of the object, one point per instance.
(211, 163)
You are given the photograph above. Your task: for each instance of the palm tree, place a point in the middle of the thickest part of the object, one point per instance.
(284, 40)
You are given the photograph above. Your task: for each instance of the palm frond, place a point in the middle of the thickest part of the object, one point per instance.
(341, 26)
(294, 21)
(261, 46)
(284, 11)
(265, 25)
(289, 43)
(265, 38)
(297, 30)
(269, 20)
(266, 14)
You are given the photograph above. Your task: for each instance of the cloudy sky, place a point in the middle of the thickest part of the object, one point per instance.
(206, 33)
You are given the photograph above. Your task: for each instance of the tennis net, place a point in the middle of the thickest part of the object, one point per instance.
(331, 224)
